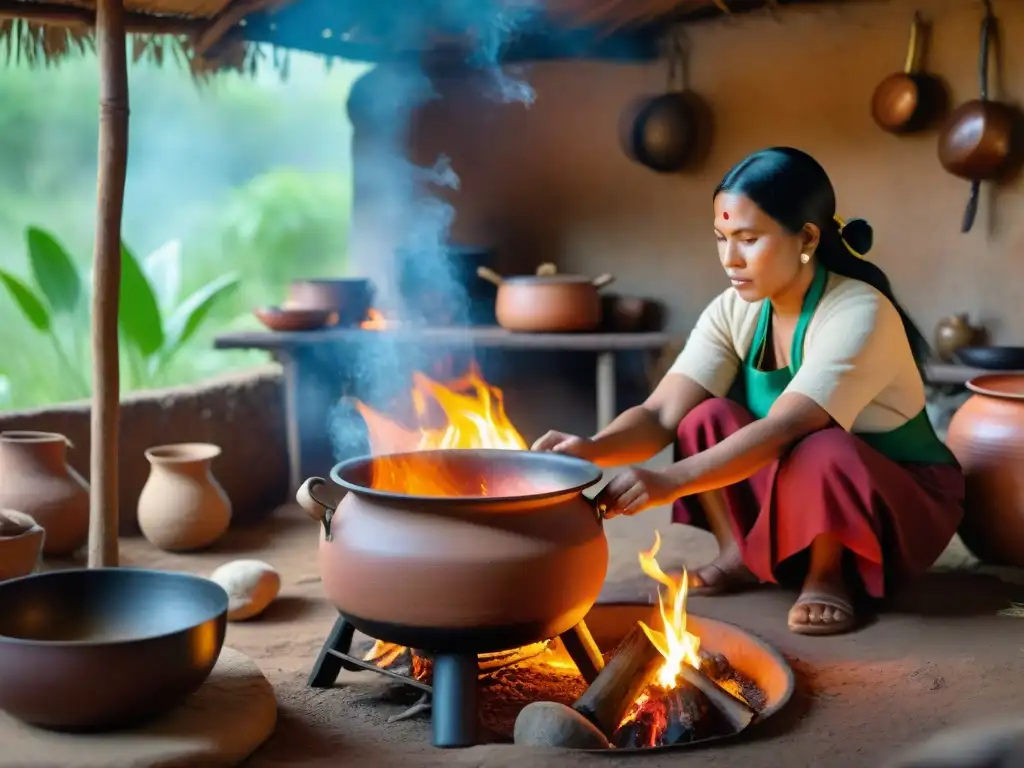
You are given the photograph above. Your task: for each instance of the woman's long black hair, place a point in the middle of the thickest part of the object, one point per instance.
(792, 188)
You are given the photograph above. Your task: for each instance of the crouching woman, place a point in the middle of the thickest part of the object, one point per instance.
(797, 409)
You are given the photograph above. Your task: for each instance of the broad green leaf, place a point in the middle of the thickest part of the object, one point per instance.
(54, 271)
(163, 268)
(139, 313)
(189, 315)
(28, 302)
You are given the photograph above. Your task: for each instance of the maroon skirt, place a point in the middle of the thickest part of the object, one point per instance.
(894, 519)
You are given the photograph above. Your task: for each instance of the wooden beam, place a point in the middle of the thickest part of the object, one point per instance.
(106, 284)
(228, 18)
(52, 14)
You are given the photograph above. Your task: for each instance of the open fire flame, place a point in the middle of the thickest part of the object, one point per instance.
(471, 414)
(674, 642)
(375, 321)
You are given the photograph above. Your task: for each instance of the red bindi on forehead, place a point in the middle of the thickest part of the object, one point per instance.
(725, 215)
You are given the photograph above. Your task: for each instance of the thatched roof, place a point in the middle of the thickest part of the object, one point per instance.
(208, 34)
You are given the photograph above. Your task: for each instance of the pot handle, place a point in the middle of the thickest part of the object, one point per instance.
(599, 507)
(602, 280)
(488, 274)
(547, 269)
(318, 510)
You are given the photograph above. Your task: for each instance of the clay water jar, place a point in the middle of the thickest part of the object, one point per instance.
(481, 573)
(987, 437)
(182, 507)
(35, 479)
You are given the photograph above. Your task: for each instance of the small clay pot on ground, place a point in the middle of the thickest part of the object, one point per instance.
(21, 544)
(182, 507)
(35, 479)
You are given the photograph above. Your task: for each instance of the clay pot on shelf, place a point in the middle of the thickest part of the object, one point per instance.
(21, 544)
(954, 332)
(182, 507)
(548, 302)
(35, 479)
(987, 437)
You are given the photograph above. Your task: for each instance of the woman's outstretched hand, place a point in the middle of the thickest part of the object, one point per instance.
(637, 489)
(563, 442)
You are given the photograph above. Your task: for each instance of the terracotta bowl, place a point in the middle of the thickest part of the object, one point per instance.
(20, 553)
(293, 319)
(103, 649)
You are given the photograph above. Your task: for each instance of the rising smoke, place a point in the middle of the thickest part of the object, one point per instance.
(398, 214)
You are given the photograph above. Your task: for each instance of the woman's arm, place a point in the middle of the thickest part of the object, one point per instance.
(751, 448)
(641, 432)
(734, 459)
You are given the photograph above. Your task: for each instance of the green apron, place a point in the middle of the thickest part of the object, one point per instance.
(914, 441)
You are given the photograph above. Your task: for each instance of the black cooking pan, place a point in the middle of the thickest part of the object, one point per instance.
(668, 132)
(106, 648)
(910, 100)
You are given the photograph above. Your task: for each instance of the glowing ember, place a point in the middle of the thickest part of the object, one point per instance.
(472, 414)
(375, 321)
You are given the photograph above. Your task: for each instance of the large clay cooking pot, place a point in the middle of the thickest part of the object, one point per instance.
(466, 572)
(987, 437)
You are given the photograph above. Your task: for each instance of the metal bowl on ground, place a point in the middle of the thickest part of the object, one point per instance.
(106, 648)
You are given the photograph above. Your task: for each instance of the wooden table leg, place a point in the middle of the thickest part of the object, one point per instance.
(308, 401)
(606, 410)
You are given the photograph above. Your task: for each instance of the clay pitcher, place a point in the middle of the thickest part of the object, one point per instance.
(35, 479)
(182, 507)
(987, 437)
(952, 333)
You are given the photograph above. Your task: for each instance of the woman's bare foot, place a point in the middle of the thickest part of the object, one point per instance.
(824, 606)
(726, 573)
(822, 610)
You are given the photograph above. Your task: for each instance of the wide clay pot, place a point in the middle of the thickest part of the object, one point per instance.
(21, 544)
(987, 437)
(548, 302)
(523, 563)
(35, 479)
(182, 507)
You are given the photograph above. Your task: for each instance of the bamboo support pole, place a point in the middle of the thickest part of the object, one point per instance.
(106, 284)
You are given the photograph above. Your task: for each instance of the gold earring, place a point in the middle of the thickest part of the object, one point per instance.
(804, 258)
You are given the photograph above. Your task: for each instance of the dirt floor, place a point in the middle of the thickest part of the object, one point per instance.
(941, 655)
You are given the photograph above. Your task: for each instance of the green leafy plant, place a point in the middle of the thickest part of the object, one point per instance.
(152, 340)
(52, 310)
(153, 325)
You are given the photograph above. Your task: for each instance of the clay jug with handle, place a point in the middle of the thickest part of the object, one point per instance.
(952, 333)
(35, 479)
(182, 507)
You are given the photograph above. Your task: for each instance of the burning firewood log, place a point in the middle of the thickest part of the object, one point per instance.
(662, 718)
(625, 680)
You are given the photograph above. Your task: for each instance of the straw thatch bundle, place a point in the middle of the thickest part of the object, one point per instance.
(205, 34)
